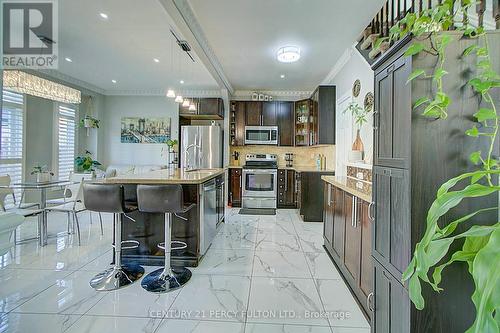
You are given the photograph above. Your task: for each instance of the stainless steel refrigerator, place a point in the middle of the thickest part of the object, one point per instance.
(201, 147)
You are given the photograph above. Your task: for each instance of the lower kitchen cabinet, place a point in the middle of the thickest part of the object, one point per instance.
(311, 199)
(234, 187)
(286, 189)
(347, 236)
(390, 302)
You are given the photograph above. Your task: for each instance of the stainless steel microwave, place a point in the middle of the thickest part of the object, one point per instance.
(261, 135)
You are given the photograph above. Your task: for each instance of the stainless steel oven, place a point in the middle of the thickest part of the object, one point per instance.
(260, 178)
(261, 135)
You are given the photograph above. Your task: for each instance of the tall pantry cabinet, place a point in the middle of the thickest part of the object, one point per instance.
(413, 156)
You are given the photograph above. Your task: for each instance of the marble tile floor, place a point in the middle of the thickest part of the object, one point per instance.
(262, 274)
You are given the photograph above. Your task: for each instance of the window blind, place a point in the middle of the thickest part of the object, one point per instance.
(12, 139)
(66, 140)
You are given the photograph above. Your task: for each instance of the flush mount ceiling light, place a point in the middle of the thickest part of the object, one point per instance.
(186, 103)
(282, 76)
(156, 60)
(179, 99)
(181, 81)
(103, 16)
(114, 81)
(170, 93)
(288, 54)
(68, 59)
(25, 83)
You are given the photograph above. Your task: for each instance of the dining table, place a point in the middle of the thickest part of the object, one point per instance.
(43, 187)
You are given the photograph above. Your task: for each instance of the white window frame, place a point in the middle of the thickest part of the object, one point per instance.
(22, 160)
(55, 150)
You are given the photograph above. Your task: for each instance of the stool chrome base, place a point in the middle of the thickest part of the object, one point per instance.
(115, 278)
(157, 282)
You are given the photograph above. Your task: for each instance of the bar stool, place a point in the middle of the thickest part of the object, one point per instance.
(166, 199)
(105, 198)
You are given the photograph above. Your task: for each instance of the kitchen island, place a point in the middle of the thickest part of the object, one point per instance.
(197, 227)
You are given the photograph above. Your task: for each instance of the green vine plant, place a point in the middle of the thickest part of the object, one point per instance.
(481, 243)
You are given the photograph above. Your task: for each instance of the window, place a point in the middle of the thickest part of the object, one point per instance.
(12, 139)
(66, 140)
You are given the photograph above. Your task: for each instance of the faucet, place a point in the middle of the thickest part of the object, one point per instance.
(186, 154)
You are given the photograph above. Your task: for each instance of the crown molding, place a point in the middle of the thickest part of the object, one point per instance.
(276, 94)
(344, 58)
(161, 92)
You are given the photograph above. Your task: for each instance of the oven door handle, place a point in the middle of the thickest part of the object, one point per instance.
(264, 171)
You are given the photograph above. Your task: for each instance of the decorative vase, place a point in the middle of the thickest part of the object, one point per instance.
(358, 143)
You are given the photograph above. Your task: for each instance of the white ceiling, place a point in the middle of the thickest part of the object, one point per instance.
(122, 48)
(245, 36)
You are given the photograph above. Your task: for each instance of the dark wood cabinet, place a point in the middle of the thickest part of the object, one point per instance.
(270, 114)
(393, 115)
(311, 199)
(352, 249)
(390, 302)
(339, 221)
(365, 222)
(286, 128)
(286, 188)
(347, 238)
(328, 218)
(253, 113)
(323, 115)
(234, 192)
(237, 123)
(391, 241)
(206, 108)
(413, 157)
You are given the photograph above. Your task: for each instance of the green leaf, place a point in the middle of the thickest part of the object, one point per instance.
(439, 73)
(485, 114)
(432, 111)
(482, 52)
(486, 275)
(475, 157)
(416, 73)
(454, 181)
(450, 228)
(415, 292)
(445, 40)
(484, 64)
(474, 132)
(414, 49)
(469, 50)
(421, 101)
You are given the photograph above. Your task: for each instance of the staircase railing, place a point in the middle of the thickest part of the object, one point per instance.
(394, 10)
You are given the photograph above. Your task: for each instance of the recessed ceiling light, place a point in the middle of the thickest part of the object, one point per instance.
(282, 76)
(68, 59)
(156, 60)
(181, 81)
(103, 15)
(114, 81)
(288, 54)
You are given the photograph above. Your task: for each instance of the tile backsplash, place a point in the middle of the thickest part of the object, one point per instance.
(302, 156)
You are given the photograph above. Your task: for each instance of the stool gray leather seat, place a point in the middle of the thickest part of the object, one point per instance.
(108, 198)
(166, 199)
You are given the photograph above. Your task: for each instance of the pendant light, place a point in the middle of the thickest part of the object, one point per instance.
(179, 99)
(170, 91)
(186, 103)
(192, 107)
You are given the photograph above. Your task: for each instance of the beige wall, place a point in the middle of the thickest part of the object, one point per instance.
(303, 156)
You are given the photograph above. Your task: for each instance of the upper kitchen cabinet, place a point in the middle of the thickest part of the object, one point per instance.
(237, 123)
(323, 116)
(261, 113)
(286, 128)
(206, 108)
(315, 118)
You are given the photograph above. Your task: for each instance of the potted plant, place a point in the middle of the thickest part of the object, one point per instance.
(89, 122)
(43, 175)
(360, 117)
(86, 163)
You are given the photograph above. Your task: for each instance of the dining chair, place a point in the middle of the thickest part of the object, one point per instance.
(74, 206)
(6, 190)
(8, 225)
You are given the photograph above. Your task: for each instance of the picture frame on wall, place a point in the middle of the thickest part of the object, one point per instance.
(145, 130)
